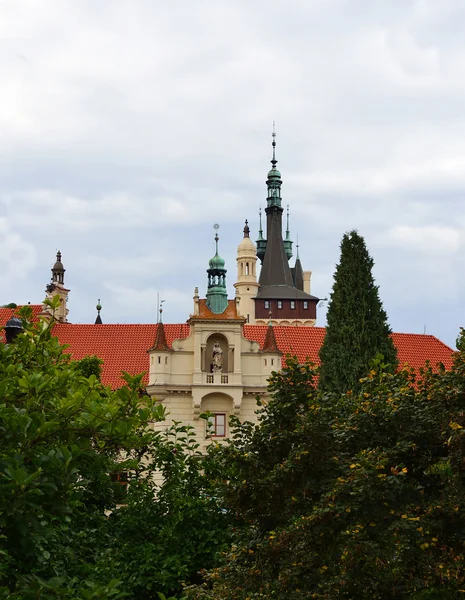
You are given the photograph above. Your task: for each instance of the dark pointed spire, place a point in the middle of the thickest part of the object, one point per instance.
(98, 320)
(297, 271)
(275, 269)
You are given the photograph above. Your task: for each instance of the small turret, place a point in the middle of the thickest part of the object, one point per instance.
(261, 242)
(288, 242)
(217, 295)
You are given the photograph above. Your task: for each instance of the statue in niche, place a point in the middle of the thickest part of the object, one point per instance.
(217, 358)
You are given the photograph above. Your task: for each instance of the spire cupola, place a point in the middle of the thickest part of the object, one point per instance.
(217, 295)
(58, 270)
(274, 181)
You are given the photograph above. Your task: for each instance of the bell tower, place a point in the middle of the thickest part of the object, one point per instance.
(57, 288)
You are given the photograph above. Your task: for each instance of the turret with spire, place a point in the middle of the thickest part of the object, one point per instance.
(288, 242)
(261, 242)
(217, 295)
(275, 267)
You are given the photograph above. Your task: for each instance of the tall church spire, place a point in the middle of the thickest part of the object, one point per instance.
(275, 267)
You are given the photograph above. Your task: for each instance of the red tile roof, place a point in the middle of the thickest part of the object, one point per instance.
(124, 347)
(412, 348)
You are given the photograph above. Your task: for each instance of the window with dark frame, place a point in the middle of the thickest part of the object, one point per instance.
(292, 304)
(280, 304)
(305, 304)
(267, 304)
(216, 425)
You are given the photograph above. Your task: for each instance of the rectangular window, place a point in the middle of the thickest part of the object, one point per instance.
(305, 304)
(280, 304)
(267, 304)
(292, 304)
(216, 425)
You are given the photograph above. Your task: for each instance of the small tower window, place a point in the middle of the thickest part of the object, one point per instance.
(246, 268)
(280, 304)
(305, 304)
(159, 360)
(267, 304)
(292, 304)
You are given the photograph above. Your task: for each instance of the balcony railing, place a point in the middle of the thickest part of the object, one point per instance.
(217, 378)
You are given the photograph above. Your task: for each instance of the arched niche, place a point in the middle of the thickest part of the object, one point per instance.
(228, 354)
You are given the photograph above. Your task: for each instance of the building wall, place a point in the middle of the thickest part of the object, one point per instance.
(286, 312)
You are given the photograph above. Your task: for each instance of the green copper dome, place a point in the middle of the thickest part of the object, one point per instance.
(216, 262)
(274, 174)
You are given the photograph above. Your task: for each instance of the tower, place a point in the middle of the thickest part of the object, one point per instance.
(217, 295)
(246, 284)
(57, 288)
(281, 290)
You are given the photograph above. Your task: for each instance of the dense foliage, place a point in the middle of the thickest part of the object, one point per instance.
(358, 497)
(67, 444)
(329, 496)
(357, 328)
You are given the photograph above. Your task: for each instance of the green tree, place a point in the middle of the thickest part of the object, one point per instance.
(357, 496)
(62, 435)
(357, 328)
(68, 445)
(90, 365)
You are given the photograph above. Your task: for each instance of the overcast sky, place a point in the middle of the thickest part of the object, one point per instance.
(129, 127)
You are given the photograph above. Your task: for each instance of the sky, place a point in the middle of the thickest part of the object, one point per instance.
(128, 128)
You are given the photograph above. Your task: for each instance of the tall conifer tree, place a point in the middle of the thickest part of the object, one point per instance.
(357, 328)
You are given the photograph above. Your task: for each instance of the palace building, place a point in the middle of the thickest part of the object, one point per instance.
(220, 359)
